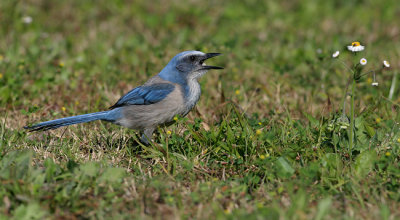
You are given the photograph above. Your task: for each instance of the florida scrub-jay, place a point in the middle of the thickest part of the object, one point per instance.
(174, 91)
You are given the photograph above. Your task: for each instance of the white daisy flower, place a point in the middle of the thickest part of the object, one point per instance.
(375, 84)
(336, 54)
(27, 19)
(363, 61)
(386, 64)
(355, 47)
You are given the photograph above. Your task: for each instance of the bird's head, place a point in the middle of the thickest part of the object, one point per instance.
(189, 64)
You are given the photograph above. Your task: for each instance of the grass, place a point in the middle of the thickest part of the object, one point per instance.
(265, 140)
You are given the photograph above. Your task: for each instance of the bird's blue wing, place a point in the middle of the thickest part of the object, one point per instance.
(145, 95)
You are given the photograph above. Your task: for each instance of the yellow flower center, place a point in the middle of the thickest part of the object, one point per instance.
(355, 44)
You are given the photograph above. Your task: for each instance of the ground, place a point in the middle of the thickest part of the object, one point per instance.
(268, 138)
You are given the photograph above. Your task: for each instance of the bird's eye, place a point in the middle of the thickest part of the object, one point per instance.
(192, 58)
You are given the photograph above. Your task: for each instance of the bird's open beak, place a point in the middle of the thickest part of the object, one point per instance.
(208, 56)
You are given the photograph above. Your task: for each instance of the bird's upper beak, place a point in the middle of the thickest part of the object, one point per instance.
(208, 56)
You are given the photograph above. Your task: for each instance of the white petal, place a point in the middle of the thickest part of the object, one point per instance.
(336, 54)
(386, 64)
(355, 48)
(350, 48)
(27, 19)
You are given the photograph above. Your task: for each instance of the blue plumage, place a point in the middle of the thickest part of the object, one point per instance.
(174, 91)
(145, 95)
(110, 116)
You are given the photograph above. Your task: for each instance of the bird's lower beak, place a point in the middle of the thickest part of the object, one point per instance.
(208, 56)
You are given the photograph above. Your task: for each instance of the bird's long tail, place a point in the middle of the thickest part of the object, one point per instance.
(111, 116)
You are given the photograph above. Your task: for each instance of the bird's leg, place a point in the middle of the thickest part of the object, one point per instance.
(146, 136)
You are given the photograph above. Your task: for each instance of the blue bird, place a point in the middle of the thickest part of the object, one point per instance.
(174, 91)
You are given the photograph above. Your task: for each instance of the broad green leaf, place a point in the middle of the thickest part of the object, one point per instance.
(90, 169)
(314, 122)
(331, 164)
(112, 174)
(323, 208)
(283, 168)
(299, 201)
(385, 212)
(364, 162)
(16, 164)
(23, 164)
(29, 212)
(330, 160)
(370, 130)
(51, 169)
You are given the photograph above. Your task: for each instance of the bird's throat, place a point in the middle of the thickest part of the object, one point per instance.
(193, 92)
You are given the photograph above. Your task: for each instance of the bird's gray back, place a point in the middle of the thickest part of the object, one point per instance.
(147, 116)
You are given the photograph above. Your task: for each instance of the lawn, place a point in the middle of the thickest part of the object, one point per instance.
(269, 139)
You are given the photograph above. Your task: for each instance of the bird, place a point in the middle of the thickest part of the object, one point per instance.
(172, 92)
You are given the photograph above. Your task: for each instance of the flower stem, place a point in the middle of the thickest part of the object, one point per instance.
(393, 86)
(346, 93)
(353, 88)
